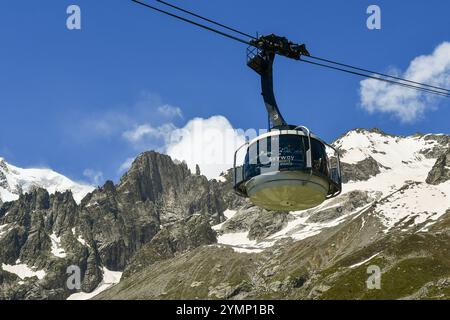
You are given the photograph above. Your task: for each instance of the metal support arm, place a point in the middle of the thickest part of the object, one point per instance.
(260, 58)
(262, 63)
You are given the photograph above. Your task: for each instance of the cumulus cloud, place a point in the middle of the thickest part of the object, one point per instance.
(210, 143)
(406, 104)
(146, 132)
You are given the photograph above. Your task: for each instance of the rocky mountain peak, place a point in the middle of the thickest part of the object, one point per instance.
(361, 132)
(441, 170)
(37, 198)
(153, 174)
(370, 152)
(15, 181)
(372, 130)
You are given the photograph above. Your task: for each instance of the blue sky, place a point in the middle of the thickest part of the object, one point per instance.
(67, 98)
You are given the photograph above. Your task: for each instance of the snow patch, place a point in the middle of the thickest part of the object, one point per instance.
(217, 227)
(363, 262)
(236, 239)
(415, 204)
(228, 214)
(300, 228)
(389, 151)
(79, 238)
(23, 271)
(82, 241)
(247, 250)
(221, 179)
(57, 249)
(110, 278)
(92, 204)
(240, 242)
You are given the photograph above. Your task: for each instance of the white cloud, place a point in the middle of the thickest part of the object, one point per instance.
(407, 104)
(95, 177)
(170, 111)
(139, 132)
(210, 143)
(146, 134)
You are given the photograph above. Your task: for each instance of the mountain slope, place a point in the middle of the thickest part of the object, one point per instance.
(389, 216)
(393, 185)
(175, 234)
(320, 267)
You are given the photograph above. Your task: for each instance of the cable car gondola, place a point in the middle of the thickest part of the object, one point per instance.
(287, 168)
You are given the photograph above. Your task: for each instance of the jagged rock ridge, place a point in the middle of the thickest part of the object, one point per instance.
(50, 232)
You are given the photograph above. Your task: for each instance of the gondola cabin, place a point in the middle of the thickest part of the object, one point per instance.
(287, 170)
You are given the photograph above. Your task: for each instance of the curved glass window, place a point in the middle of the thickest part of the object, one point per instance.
(262, 157)
(319, 157)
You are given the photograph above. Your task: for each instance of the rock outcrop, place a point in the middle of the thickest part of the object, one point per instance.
(441, 169)
(360, 171)
(179, 237)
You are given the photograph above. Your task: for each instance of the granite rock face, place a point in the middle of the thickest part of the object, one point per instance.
(441, 170)
(181, 236)
(361, 171)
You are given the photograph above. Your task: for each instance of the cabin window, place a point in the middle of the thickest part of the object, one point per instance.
(260, 157)
(319, 157)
